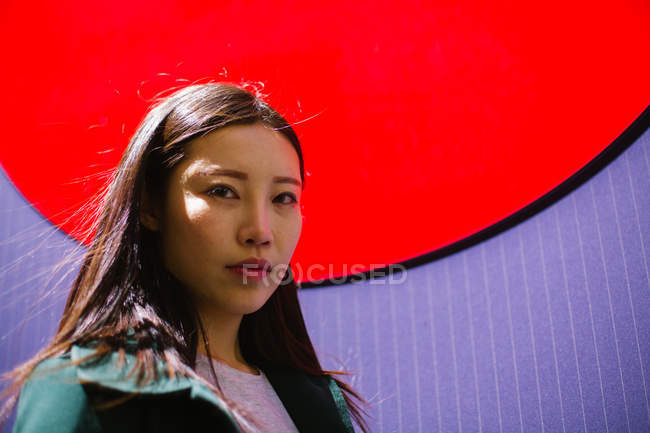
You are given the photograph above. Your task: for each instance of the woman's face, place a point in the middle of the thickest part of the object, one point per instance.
(235, 195)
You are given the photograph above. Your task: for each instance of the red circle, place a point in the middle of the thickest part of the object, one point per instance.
(421, 124)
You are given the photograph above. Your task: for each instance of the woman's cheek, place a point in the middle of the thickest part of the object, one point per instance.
(186, 234)
(201, 220)
(293, 230)
(196, 209)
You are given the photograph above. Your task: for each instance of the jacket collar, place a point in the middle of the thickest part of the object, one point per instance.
(107, 374)
(300, 394)
(304, 396)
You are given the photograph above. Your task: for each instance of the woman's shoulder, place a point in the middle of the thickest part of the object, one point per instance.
(76, 392)
(53, 367)
(120, 371)
(52, 399)
(55, 375)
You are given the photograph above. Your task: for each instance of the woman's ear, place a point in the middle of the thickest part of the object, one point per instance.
(149, 212)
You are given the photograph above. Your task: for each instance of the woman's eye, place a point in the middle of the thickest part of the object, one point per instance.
(220, 190)
(292, 198)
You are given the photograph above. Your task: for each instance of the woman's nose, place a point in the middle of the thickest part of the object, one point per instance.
(255, 228)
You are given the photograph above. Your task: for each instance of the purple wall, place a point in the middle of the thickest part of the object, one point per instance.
(544, 327)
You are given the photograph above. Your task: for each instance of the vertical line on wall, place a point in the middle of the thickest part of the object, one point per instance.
(531, 329)
(609, 298)
(473, 345)
(357, 336)
(645, 156)
(396, 354)
(322, 325)
(512, 338)
(591, 314)
(638, 219)
(629, 290)
(569, 307)
(453, 343)
(550, 318)
(432, 328)
(339, 328)
(416, 368)
(373, 301)
(491, 327)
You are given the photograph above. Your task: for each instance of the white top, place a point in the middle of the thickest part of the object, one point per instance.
(253, 392)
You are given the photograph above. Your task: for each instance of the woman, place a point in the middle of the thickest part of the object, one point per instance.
(184, 315)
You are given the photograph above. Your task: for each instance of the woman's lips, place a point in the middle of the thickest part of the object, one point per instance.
(250, 272)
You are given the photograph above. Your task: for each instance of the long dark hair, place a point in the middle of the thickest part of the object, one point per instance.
(123, 291)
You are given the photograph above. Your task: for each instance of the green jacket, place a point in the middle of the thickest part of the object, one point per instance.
(65, 400)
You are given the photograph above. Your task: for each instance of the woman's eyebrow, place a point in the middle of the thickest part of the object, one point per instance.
(243, 176)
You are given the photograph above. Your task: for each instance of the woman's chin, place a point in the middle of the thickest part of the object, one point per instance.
(247, 300)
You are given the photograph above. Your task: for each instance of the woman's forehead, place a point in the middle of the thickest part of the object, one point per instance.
(241, 150)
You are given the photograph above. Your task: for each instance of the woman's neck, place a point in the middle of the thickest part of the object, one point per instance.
(221, 332)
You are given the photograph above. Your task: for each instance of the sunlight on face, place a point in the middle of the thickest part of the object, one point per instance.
(235, 195)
